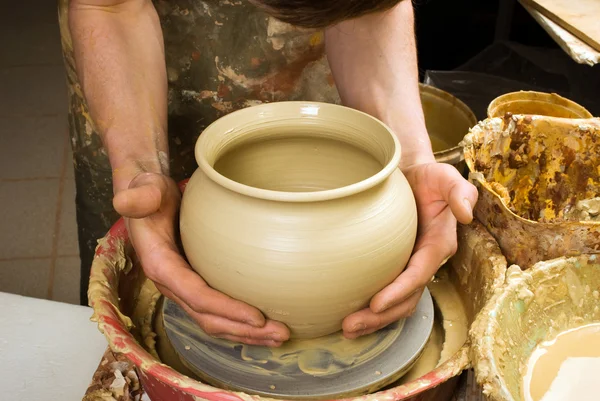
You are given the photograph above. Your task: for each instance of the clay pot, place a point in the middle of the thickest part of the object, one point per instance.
(448, 120)
(300, 210)
(124, 302)
(534, 306)
(538, 184)
(536, 103)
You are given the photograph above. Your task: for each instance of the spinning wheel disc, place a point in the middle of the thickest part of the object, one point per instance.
(326, 367)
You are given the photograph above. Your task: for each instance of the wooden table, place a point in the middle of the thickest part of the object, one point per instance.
(574, 25)
(580, 51)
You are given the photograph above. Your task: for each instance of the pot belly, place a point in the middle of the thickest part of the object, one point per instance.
(306, 264)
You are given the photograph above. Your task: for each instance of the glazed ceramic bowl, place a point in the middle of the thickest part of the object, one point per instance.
(538, 184)
(300, 210)
(533, 307)
(536, 103)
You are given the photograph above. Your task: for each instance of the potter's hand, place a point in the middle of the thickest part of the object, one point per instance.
(443, 196)
(150, 206)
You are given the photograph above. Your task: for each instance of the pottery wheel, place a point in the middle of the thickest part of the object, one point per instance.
(326, 367)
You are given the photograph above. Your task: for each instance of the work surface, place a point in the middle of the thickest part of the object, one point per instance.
(48, 350)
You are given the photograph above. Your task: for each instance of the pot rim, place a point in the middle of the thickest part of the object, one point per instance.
(541, 97)
(305, 109)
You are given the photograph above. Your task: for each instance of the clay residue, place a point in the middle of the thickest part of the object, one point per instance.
(454, 317)
(99, 289)
(431, 356)
(546, 360)
(585, 210)
(326, 355)
(316, 357)
(115, 380)
(334, 353)
(534, 306)
(110, 269)
(544, 169)
(450, 328)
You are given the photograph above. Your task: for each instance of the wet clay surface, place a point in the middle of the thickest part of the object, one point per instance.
(297, 164)
(333, 354)
(322, 356)
(125, 303)
(450, 327)
(299, 209)
(325, 367)
(547, 359)
(536, 305)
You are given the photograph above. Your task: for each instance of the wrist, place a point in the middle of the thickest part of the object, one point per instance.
(415, 144)
(416, 157)
(131, 155)
(124, 171)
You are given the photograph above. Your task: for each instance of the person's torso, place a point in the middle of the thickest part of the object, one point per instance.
(221, 55)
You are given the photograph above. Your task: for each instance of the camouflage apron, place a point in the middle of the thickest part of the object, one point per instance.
(221, 55)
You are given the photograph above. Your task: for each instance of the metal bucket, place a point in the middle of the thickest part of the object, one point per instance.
(536, 103)
(118, 284)
(534, 306)
(448, 120)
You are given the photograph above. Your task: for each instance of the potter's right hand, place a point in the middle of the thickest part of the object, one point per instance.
(150, 206)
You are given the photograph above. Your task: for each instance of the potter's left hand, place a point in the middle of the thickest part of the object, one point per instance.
(443, 196)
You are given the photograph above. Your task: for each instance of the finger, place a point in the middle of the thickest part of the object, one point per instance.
(193, 292)
(431, 252)
(138, 202)
(249, 341)
(217, 326)
(366, 321)
(458, 193)
(253, 339)
(220, 327)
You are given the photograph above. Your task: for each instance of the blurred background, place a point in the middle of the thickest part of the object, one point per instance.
(39, 254)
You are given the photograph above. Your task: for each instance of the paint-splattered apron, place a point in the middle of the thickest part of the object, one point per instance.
(221, 55)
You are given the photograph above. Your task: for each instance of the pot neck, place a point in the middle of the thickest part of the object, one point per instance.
(298, 120)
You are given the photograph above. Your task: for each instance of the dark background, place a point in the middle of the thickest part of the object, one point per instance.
(480, 49)
(450, 32)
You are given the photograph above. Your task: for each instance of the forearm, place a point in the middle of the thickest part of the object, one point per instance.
(374, 63)
(119, 55)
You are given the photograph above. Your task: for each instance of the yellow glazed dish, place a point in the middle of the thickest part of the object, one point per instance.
(300, 210)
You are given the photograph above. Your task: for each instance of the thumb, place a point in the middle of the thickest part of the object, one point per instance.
(459, 194)
(141, 199)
